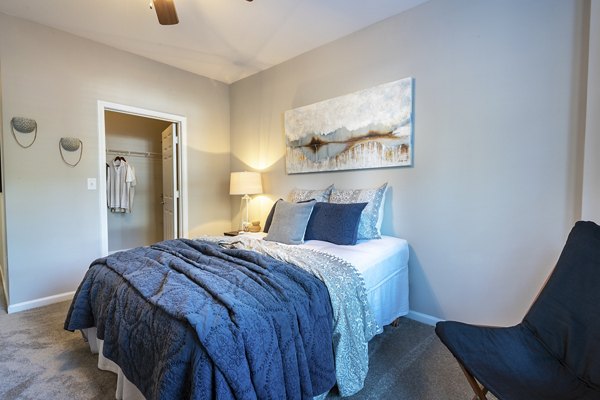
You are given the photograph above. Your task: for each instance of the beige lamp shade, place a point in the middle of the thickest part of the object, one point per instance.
(245, 183)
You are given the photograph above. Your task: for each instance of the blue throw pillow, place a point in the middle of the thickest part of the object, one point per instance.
(334, 223)
(289, 222)
(269, 219)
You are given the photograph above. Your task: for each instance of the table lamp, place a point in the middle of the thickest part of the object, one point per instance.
(245, 183)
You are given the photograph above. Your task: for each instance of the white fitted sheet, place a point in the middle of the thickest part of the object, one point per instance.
(383, 264)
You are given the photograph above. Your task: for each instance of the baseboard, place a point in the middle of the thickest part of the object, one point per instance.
(423, 318)
(44, 301)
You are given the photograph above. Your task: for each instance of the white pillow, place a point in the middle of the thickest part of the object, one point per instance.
(381, 207)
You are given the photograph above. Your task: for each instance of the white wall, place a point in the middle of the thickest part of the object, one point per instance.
(144, 225)
(495, 186)
(52, 220)
(591, 175)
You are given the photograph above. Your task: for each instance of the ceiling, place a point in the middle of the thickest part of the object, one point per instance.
(225, 40)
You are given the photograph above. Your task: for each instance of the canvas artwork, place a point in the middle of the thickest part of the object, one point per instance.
(371, 128)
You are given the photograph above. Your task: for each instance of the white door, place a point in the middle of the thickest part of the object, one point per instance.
(169, 171)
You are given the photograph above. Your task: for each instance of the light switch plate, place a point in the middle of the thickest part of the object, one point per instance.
(91, 184)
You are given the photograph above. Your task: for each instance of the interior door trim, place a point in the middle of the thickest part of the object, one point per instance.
(181, 126)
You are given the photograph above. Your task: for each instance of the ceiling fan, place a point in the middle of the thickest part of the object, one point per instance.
(166, 13)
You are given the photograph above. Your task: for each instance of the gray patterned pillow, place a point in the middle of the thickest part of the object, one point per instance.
(297, 195)
(371, 218)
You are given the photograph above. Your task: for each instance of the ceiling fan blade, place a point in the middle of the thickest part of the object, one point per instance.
(165, 11)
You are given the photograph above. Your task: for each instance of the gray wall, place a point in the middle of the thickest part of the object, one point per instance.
(591, 177)
(496, 182)
(498, 179)
(52, 220)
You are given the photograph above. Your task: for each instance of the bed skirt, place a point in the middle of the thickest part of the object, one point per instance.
(125, 389)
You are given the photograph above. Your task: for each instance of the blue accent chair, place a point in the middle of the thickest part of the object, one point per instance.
(554, 353)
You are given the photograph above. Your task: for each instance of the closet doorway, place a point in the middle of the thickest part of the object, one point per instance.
(144, 149)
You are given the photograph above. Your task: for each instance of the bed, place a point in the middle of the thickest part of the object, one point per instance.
(240, 317)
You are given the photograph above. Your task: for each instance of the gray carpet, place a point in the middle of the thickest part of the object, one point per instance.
(39, 360)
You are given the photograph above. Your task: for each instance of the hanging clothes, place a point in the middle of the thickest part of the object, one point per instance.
(120, 186)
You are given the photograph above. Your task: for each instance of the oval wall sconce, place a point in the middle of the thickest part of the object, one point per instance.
(24, 126)
(70, 144)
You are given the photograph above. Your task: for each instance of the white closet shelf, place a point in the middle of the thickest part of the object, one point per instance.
(134, 153)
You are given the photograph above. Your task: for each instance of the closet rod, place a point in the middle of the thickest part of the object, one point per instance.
(134, 153)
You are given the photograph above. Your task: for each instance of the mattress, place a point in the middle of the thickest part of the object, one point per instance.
(383, 264)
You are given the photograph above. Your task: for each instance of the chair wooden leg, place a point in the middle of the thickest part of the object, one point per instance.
(479, 390)
(396, 322)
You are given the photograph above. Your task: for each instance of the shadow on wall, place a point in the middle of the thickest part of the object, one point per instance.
(277, 184)
(260, 205)
(208, 192)
(416, 273)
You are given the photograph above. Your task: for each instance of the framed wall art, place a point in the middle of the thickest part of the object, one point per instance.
(371, 128)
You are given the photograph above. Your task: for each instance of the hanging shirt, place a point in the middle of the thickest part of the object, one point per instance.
(120, 183)
(130, 182)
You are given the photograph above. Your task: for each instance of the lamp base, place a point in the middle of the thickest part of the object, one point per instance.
(246, 221)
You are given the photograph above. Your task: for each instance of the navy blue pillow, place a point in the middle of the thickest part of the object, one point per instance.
(334, 222)
(269, 219)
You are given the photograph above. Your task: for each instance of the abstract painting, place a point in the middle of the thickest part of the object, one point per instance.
(371, 128)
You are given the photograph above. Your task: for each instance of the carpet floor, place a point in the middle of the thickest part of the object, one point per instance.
(40, 360)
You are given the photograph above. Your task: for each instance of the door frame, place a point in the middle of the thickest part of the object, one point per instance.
(181, 126)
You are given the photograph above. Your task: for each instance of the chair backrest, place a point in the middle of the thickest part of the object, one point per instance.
(566, 314)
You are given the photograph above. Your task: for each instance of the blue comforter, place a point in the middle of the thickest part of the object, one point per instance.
(190, 320)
